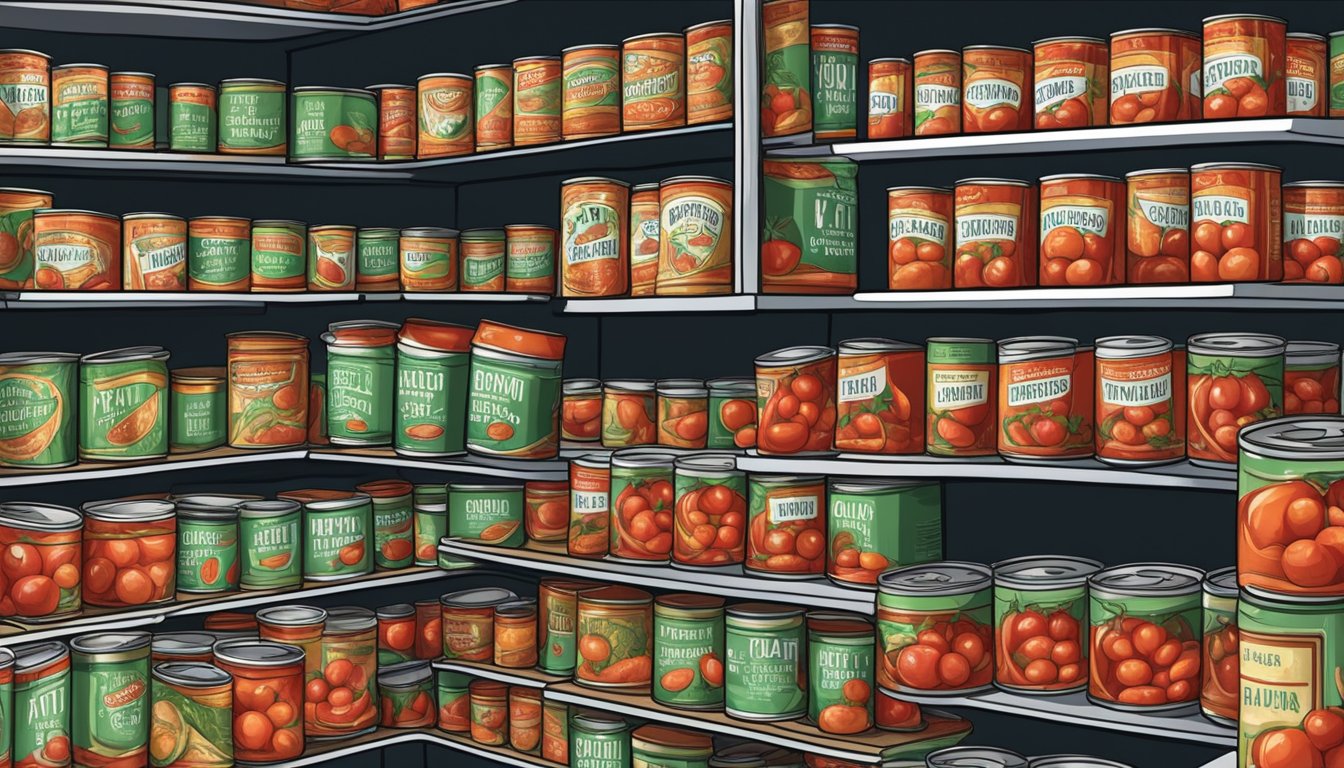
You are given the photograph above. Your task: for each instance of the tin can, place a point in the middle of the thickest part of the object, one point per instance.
(1045, 398)
(76, 250)
(536, 100)
(129, 553)
(429, 507)
(109, 697)
(38, 404)
(268, 392)
(660, 745)
(642, 493)
(1336, 76)
(516, 634)
(875, 525)
(996, 83)
(337, 528)
(428, 259)
(629, 407)
(890, 99)
(279, 256)
(709, 521)
(919, 243)
(644, 246)
(1157, 243)
(1245, 58)
(486, 514)
(1070, 82)
(557, 611)
(154, 251)
(1305, 74)
(599, 740)
(799, 253)
(840, 672)
(709, 72)
(252, 117)
(546, 510)
(1237, 223)
(428, 621)
(790, 382)
(653, 82)
(218, 253)
(996, 238)
(454, 700)
(331, 257)
(786, 525)
(683, 419)
(594, 237)
(269, 545)
(300, 626)
(1156, 76)
(130, 110)
(361, 381)
(123, 404)
(786, 100)
(529, 264)
(407, 694)
(1245, 371)
(525, 719)
(192, 714)
(468, 621)
(482, 260)
(393, 523)
(1313, 225)
(880, 393)
(589, 506)
(1080, 232)
(695, 239)
(765, 665)
(396, 120)
(348, 660)
(937, 92)
(182, 647)
(962, 409)
(16, 221)
(923, 610)
(591, 91)
(42, 692)
(444, 106)
(494, 107)
(615, 631)
(1219, 688)
(688, 651)
(25, 82)
(79, 105)
(376, 259)
(835, 87)
(966, 757)
(1311, 378)
(431, 395)
(193, 118)
(555, 731)
(265, 674)
(1138, 420)
(207, 548)
(732, 413)
(1040, 609)
(513, 409)
(47, 536)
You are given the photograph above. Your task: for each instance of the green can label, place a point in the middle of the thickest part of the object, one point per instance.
(199, 421)
(732, 414)
(590, 749)
(335, 542)
(217, 261)
(840, 681)
(392, 532)
(514, 408)
(531, 258)
(123, 409)
(764, 670)
(1209, 439)
(207, 555)
(491, 93)
(192, 121)
(1336, 74)
(481, 269)
(252, 118)
(876, 528)
(594, 81)
(269, 550)
(359, 395)
(430, 526)
(431, 402)
(646, 490)
(835, 96)
(279, 253)
(111, 702)
(334, 124)
(6, 716)
(485, 515)
(131, 107)
(687, 661)
(454, 701)
(378, 255)
(812, 208)
(79, 107)
(209, 717)
(1065, 611)
(42, 720)
(37, 407)
(18, 224)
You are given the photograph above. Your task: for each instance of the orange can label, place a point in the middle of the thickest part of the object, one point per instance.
(1136, 417)
(889, 99)
(1155, 77)
(76, 251)
(695, 237)
(709, 73)
(16, 219)
(494, 108)
(1158, 227)
(1045, 407)
(1070, 83)
(937, 93)
(25, 98)
(1080, 233)
(536, 101)
(154, 253)
(594, 238)
(919, 239)
(589, 515)
(1306, 77)
(1313, 224)
(396, 123)
(644, 210)
(1244, 68)
(446, 127)
(653, 86)
(996, 235)
(1237, 224)
(995, 82)
(880, 402)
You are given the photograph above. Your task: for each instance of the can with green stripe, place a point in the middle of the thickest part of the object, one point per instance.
(688, 651)
(193, 121)
(279, 255)
(483, 260)
(219, 253)
(841, 655)
(123, 404)
(42, 694)
(433, 359)
(486, 514)
(38, 402)
(765, 670)
(79, 97)
(429, 504)
(1335, 69)
(334, 124)
(269, 545)
(961, 397)
(130, 110)
(376, 259)
(109, 698)
(361, 378)
(337, 527)
(454, 700)
(598, 740)
(207, 546)
(393, 524)
(252, 117)
(199, 409)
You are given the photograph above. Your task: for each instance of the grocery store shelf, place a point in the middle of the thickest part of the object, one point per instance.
(517, 469)
(320, 752)
(64, 300)
(134, 163)
(529, 677)
(640, 305)
(470, 298)
(1075, 709)
(217, 457)
(1194, 296)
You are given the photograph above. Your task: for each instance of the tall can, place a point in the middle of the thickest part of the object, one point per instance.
(1156, 76)
(376, 259)
(494, 107)
(393, 523)
(396, 634)
(268, 389)
(331, 257)
(840, 672)
(536, 100)
(1070, 82)
(42, 693)
(709, 514)
(695, 237)
(653, 81)
(1305, 71)
(16, 220)
(268, 677)
(688, 651)
(207, 547)
(427, 259)
(557, 624)
(396, 120)
(252, 117)
(360, 381)
(25, 96)
(809, 242)
(923, 610)
(431, 396)
(880, 397)
(348, 659)
(529, 259)
(996, 233)
(615, 630)
(875, 525)
(1245, 59)
(1311, 378)
(513, 408)
(76, 250)
(786, 379)
(130, 110)
(962, 406)
(598, 740)
(1336, 76)
(1220, 668)
(1045, 398)
(589, 506)
(219, 253)
(444, 114)
(269, 545)
(193, 117)
(919, 238)
(6, 705)
(1237, 222)
(786, 100)
(765, 664)
(786, 526)
(995, 89)
(154, 252)
(123, 404)
(1313, 225)
(38, 406)
(483, 261)
(644, 245)
(641, 489)
(1140, 390)
(109, 697)
(890, 99)
(333, 124)
(1157, 237)
(835, 75)
(594, 236)
(591, 91)
(429, 503)
(1080, 230)
(79, 105)
(1040, 612)
(937, 92)
(279, 256)
(709, 72)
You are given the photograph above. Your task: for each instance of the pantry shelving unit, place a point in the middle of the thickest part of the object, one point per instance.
(38, 300)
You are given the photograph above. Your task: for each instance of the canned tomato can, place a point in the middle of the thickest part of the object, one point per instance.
(376, 259)
(683, 419)
(1070, 81)
(786, 526)
(429, 507)
(629, 407)
(1080, 230)
(52, 535)
(996, 233)
(1219, 688)
(154, 252)
(688, 651)
(1157, 243)
(191, 700)
(207, 547)
(199, 409)
(919, 242)
(709, 521)
(795, 400)
(361, 381)
(25, 91)
(1336, 76)
(835, 87)
(269, 545)
(268, 389)
(218, 253)
(427, 259)
(264, 674)
(529, 261)
(615, 631)
(581, 412)
(765, 665)
(653, 81)
(482, 260)
(890, 99)
(300, 626)
(494, 106)
(279, 256)
(393, 523)
(590, 91)
(130, 110)
(252, 117)
(109, 697)
(1138, 420)
(79, 105)
(516, 634)
(840, 672)
(599, 740)
(486, 514)
(594, 216)
(331, 257)
(42, 693)
(874, 525)
(1245, 58)
(996, 82)
(732, 413)
(695, 238)
(468, 621)
(973, 757)
(1045, 398)
(396, 120)
(644, 246)
(1305, 70)
(962, 405)
(1237, 223)
(1313, 225)
(1233, 380)
(182, 647)
(800, 252)
(38, 404)
(334, 124)
(709, 72)
(589, 506)
(123, 404)
(129, 552)
(348, 658)
(1311, 378)
(16, 220)
(431, 394)
(641, 503)
(937, 92)
(557, 611)
(513, 409)
(555, 731)
(1155, 76)
(525, 719)
(546, 510)
(923, 610)
(76, 250)
(1040, 609)
(407, 693)
(536, 100)
(193, 118)
(1153, 609)
(454, 699)
(446, 126)
(662, 745)
(880, 395)
(786, 99)
(337, 528)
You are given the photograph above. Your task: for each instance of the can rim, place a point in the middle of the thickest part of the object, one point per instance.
(1221, 582)
(356, 499)
(52, 514)
(1253, 16)
(109, 642)
(220, 218)
(1234, 166)
(643, 458)
(1155, 171)
(1069, 39)
(695, 178)
(703, 24)
(1314, 183)
(445, 74)
(823, 25)
(654, 35)
(884, 59)
(991, 181)
(869, 344)
(1156, 31)
(600, 46)
(731, 382)
(1072, 176)
(284, 654)
(994, 48)
(292, 615)
(799, 355)
(430, 232)
(481, 67)
(1315, 437)
(870, 485)
(594, 180)
(267, 508)
(174, 672)
(1242, 344)
(82, 211)
(478, 597)
(536, 58)
(1166, 572)
(916, 188)
(27, 191)
(1006, 757)
(1306, 36)
(380, 86)
(935, 579)
(405, 674)
(250, 81)
(37, 358)
(630, 385)
(1303, 352)
(929, 51)
(151, 215)
(131, 73)
(1040, 572)
(79, 65)
(479, 487)
(763, 610)
(707, 462)
(277, 223)
(37, 655)
(26, 50)
(1074, 761)
(136, 510)
(1131, 345)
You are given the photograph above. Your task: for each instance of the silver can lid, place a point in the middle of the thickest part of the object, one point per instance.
(934, 579)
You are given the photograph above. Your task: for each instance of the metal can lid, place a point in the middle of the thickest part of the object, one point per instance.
(28, 658)
(429, 232)
(444, 74)
(480, 67)
(603, 46)
(79, 65)
(864, 487)
(125, 355)
(616, 594)
(759, 611)
(250, 81)
(679, 738)
(262, 223)
(594, 179)
(889, 60)
(1312, 184)
(207, 513)
(1234, 167)
(870, 345)
(1296, 437)
(702, 463)
(975, 757)
(425, 496)
(951, 577)
(599, 722)
(80, 211)
(349, 618)
(109, 642)
(406, 674)
(292, 615)
(1147, 580)
(39, 517)
(917, 190)
(1247, 16)
(785, 479)
(138, 510)
(1312, 36)
(336, 505)
(705, 24)
(1044, 572)
(535, 58)
(523, 607)
(203, 374)
(1221, 582)
(994, 48)
(389, 86)
(986, 181)
(732, 385)
(246, 651)
(28, 51)
(581, 387)
(682, 388)
(1076, 176)
(694, 179)
(478, 598)
(1311, 353)
(592, 460)
(1236, 344)
(689, 601)
(629, 385)
(1069, 39)
(484, 487)
(1075, 761)
(151, 215)
(361, 333)
(794, 356)
(193, 674)
(933, 51)
(395, 611)
(267, 508)
(652, 36)
(1157, 172)
(1155, 31)
(649, 187)
(1035, 348)
(6, 658)
(1126, 347)
(643, 458)
(483, 233)
(182, 643)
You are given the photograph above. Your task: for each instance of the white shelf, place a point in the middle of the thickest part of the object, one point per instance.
(1193, 296)
(468, 297)
(321, 752)
(132, 162)
(1226, 761)
(65, 300)
(218, 457)
(641, 305)
(516, 469)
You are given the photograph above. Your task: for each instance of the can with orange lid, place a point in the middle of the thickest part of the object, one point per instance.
(546, 510)
(444, 108)
(961, 406)
(880, 397)
(1138, 384)
(590, 91)
(937, 92)
(16, 220)
(919, 238)
(130, 110)
(996, 233)
(581, 413)
(1237, 224)
(835, 87)
(218, 253)
(360, 381)
(25, 96)
(653, 82)
(513, 407)
(529, 259)
(268, 389)
(483, 261)
(396, 120)
(1155, 76)
(1313, 225)
(589, 505)
(709, 72)
(1245, 61)
(1070, 82)
(76, 250)
(644, 212)
(1045, 398)
(995, 89)
(494, 107)
(1157, 242)
(695, 237)
(890, 88)
(1305, 72)
(427, 259)
(1080, 230)
(594, 237)
(154, 252)
(536, 100)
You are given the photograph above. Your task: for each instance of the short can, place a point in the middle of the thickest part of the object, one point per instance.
(709, 518)
(590, 91)
(427, 259)
(924, 609)
(269, 545)
(1305, 74)
(468, 622)
(1313, 225)
(996, 85)
(629, 407)
(76, 250)
(25, 91)
(557, 623)
(516, 634)
(1139, 384)
(546, 510)
(454, 697)
(1233, 380)
(207, 547)
(79, 105)
(709, 72)
(875, 525)
(396, 120)
(786, 96)
(890, 99)
(961, 401)
(1237, 223)
(1157, 238)
(594, 237)
(1081, 235)
(347, 659)
(1311, 378)
(393, 523)
(486, 514)
(840, 656)
(1219, 679)
(361, 381)
(143, 532)
(589, 506)
(529, 259)
(644, 245)
(1045, 398)
(786, 526)
(154, 252)
(252, 117)
(653, 744)
(937, 94)
(919, 238)
(192, 712)
(331, 258)
(536, 100)
(835, 87)
(525, 719)
(810, 238)
(688, 651)
(16, 220)
(376, 259)
(407, 694)
(555, 731)
(432, 360)
(42, 693)
(598, 740)
(444, 108)
(123, 404)
(1153, 608)
(880, 397)
(219, 254)
(513, 408)
(494, 106)
(337, 528)
(52, 536)
(581, 411)
(683, 413)
(279, 256)
(265, 674)
(1040, 610)
(695, 238)
(641, 503)
(765, 662)
(796, 381)
(996, 233)
(653, 81)
(482, 261)
(39, 403)
(130, 110)
(193, 118)
(429, 507)
(732, 413)
(615, 630)
(268, 389)
(109, 697)
(1155, 75)
(1245, 60)
(1070, 82)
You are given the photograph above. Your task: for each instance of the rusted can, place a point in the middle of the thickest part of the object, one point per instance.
(1070, 82)
(427, 259)
(1045, 398)
(444, 107)
(1157, 242)
(16, 221)
(25, 96)
(581, 412)
(594, 218)
(1245, 56)
(1305, 71)
(1139, 390)
(591, 91)
(76, 250)
(615, 630)
(880, 397)
(645, 209)
(890, 98)
(1080, 230)
(919, 238)
(154, 252)
(546, 510)
(123, 404)
(683, 418)
(468, 620)
(268, 389)
(996, 87)
(130, 110)
(494, 107)
(786, 526)
(557, 624)
(279, 256)
(1313, 225)
(996, 233)
(375, 260)
(653, 81)
(1155, 76)
(331, 257)
(482, 261)
(1237, 223)
(695, 238)
(396, 120)
(786, 98)
(709, 72)
(796, 381)
(589, 506)
(937, 92)
(835, 87)
(218, 253)
(516, 634)
(79, 105)
(252, 117)
(962, 409)
(536, 100)
(529, 259)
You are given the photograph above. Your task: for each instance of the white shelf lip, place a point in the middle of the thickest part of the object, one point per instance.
(388, 737)
(167, 299)
(472, 465)
(105, 470)
(1238, 295)
(1075, 709)
(640, 304)
(500, 674)
(1228, 760)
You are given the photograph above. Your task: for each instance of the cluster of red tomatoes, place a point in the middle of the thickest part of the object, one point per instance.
(1140, 663)
(1319, 743)
(1039, 651)
(949, 654)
